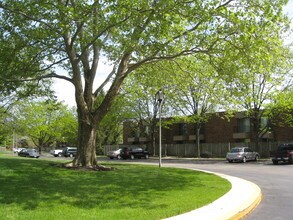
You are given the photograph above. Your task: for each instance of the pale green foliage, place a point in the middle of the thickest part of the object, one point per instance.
(196, 88)
(45, 122)
(140, 88)
(281, 110)
(5, 133)
(139, 95)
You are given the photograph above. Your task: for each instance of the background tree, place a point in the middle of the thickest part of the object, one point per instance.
(74, 35)
(5, 132)
(196, 92)
(140, 104)
(45, 123)
(281, 109)
(259, 76)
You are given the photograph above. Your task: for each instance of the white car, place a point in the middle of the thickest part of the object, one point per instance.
(17, 150)
(56, 152)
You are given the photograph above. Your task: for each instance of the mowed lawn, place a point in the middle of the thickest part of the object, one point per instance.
(37, 189)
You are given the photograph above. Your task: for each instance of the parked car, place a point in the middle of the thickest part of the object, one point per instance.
(56, 152)
(29, 153)
(241, 154)
(114, 154)
(16, 150)
(283, 153)
(69, 152)
(136, 152)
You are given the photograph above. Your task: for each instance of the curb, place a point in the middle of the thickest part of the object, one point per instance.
(243, 197)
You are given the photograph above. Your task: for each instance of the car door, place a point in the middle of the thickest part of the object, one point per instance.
(249, 154)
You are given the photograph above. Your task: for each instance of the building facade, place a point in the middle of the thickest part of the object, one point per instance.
(218, 129)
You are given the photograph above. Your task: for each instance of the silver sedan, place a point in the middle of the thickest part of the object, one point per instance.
(241, 154)
(114, 154)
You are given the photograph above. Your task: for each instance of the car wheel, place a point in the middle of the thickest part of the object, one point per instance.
(275, 162)
(131, 157)
(146, 156)
(256, 158)
(244, 160)
(230, 161)
(119, 157)
(59, 155)
(71, 155)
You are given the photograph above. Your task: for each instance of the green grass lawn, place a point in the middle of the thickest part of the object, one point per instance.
(35, 189)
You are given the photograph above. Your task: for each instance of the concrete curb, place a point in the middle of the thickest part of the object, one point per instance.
(238, 202)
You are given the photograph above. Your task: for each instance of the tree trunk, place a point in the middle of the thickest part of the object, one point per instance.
(256, 132)
(86, 148)
(197, 140)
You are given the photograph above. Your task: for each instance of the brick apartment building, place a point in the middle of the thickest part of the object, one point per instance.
(218, 129)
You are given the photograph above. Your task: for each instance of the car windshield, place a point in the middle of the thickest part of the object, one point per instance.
(236, 150)
(285, 147)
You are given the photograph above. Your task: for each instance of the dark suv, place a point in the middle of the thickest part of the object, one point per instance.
(283, 153)
(135, 152)
(69, 151)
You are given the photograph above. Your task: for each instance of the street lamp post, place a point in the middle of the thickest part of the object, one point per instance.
(160, 98)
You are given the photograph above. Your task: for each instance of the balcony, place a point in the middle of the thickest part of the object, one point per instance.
(241, 135)
(131, 139)
(192, 137)
(179, 138)
(143, 139)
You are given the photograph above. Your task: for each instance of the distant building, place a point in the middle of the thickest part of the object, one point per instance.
(218, 129)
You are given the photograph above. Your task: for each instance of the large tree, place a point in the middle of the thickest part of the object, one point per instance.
(74, 35)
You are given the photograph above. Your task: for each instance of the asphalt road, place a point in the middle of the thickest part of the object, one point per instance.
(275, 181)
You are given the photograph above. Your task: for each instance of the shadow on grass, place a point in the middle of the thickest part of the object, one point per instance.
(30, 183)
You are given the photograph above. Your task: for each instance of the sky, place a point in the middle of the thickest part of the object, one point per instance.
(65, 90)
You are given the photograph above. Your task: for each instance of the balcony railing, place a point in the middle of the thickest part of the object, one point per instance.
(241, 135)
(192, 137)
(179, 138)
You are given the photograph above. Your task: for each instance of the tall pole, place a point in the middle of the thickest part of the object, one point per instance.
(160, 98)
(160, 134)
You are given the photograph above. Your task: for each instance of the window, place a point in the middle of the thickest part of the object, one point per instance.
(243, 125)
(264, 121)
(183, 129)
